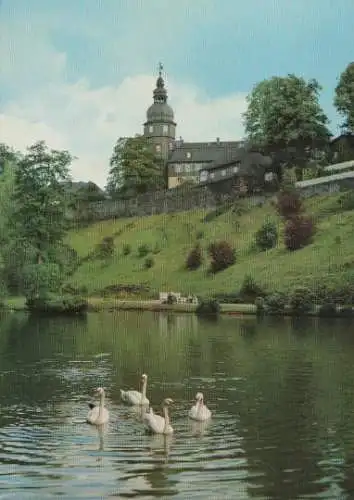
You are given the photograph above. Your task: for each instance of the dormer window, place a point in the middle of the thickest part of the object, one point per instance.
(165, 129)
(188, 155)
(151, 129)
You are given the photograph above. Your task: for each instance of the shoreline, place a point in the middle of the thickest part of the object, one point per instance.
(100, 304)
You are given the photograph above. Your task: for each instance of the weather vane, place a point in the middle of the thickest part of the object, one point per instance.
(160, 68)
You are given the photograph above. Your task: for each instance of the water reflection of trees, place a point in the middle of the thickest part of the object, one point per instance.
(278, 376)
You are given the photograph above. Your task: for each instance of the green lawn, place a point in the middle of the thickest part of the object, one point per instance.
(325, 260)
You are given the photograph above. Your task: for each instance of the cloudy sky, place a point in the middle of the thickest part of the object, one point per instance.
(80, 73)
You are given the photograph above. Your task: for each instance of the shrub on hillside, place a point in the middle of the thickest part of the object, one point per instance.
(222, 256)
(208, 308)
(127, 249)
(149, 262)
(199, 235)
(105, 248)
(288, 203)
(267, 236)
(194, 258)
(327, 309)
(143, 250)
(299, 232)
(250, 290)
(275, 303)
(346, 201)
(260, 305)
(301, 300)
(53, 305)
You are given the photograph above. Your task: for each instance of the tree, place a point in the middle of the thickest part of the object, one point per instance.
(344, 98)
(40, 202)
(133, 167)
(284, 117)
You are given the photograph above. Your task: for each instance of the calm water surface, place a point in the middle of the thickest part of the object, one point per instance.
(281, 395)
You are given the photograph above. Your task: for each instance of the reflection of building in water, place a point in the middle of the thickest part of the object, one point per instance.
(177, 322)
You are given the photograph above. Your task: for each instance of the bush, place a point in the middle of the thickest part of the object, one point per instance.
(208, 308)
(346, 201)
(327, 309)
(275, 303)
(105, 248)
(250, 290)
(66, 305)
(3, 291)
(267, 236)
(199, 235)
(346, 312)
(299, 232)
(143, 250)
(157, 249)
(301, 300)
(260, 305)
(127, 249)
(41, 279)
(222, 256)
(149, 262)
(288, 203)
(194, 258)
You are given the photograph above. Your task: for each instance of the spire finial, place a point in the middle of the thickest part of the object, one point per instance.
(160, 68)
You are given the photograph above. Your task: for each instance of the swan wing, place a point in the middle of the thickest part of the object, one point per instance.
(155, 423)
(133, 397)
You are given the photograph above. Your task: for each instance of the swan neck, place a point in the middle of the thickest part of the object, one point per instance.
(143, 392)
(167, 417)
(101, 405)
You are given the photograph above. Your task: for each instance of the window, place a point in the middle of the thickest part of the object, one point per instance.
(235, 169)
(223, 172)
(165, 129)
(203, 175)
(178, 169)
(212, 175)
(151, 129)
(158, 148)
(170, 146)
(188, 154)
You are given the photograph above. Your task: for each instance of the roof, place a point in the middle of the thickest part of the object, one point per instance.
(248, 159)
(202, 152)
(349, 137)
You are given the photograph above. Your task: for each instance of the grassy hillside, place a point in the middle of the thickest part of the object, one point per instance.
(329, 260)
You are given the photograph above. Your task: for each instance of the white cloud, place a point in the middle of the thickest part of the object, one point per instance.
(87, 121)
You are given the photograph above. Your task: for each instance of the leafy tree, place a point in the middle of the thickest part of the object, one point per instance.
(284, 116)
(344, 97)
(134, 168)
(40, 213)
(8, 155)
(40, 280)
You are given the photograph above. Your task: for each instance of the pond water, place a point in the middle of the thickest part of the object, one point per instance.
(281, 393)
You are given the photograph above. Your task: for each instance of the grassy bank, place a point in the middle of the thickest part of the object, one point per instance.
(328, 260)
(97, 304)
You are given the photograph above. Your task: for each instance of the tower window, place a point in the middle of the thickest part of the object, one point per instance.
(223, 172)
(188, 154)
(170, 146)
(151, 129)
(165, 129)
(158, 148)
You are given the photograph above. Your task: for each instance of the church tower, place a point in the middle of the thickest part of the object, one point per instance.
(160, 127)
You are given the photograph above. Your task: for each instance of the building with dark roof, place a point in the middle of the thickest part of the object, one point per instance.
(183, 160)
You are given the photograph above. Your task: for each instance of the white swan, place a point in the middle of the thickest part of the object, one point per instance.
(157, 424)
(98, 415)
(136, 397)
(199, 411)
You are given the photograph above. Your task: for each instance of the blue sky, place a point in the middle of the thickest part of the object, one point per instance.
(80, 73)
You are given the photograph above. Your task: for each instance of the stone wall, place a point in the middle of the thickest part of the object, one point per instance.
(183, 199)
